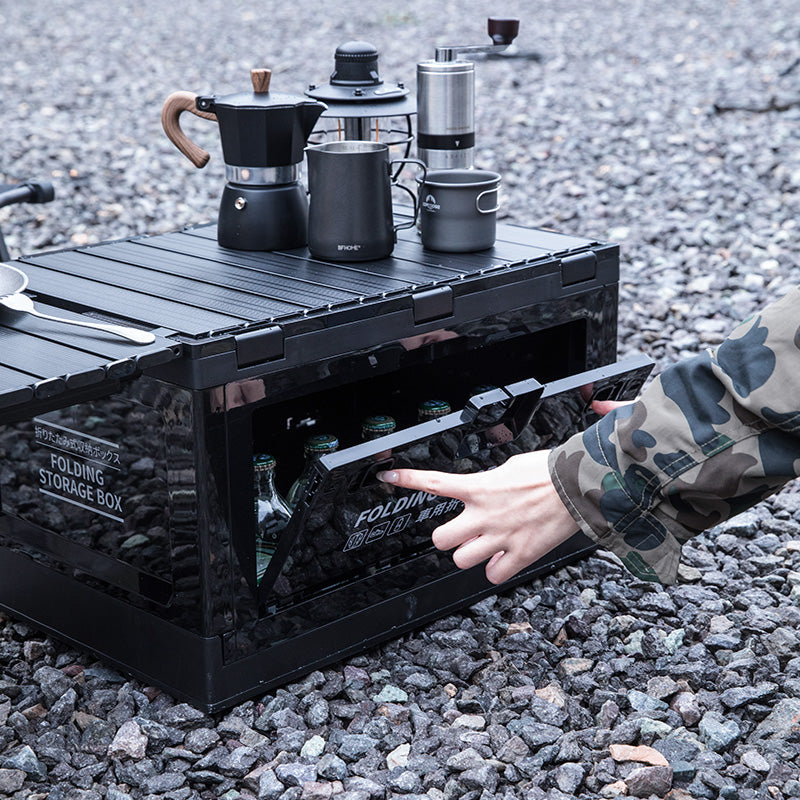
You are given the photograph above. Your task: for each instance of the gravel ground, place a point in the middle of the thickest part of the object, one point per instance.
(668, 126)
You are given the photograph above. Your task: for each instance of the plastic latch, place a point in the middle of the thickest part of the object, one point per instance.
(253, 347)
(578, 267)
(433, 304)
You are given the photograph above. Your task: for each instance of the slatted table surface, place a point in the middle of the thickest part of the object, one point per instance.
(183, 286)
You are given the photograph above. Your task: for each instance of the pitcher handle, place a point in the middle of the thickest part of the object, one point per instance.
(173, 107)
(414, 198)
(487, 210)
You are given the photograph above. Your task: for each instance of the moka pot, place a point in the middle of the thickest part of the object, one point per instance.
(263, 136)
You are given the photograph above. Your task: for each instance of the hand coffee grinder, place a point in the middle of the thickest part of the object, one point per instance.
(446, 99)
(263, 135)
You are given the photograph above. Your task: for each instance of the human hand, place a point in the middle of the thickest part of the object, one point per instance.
(512, 514)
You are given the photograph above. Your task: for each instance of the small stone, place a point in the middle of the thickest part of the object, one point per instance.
(421, 680)
(782, 723)
(575, 666)
(390, 694)
(11, 780)
(688, 574)
(633, 644)
(673, 641)
(614, 789)
(372, 788)
(102, 674)
(662, 687)
(182, 716)
(33, 650)
(646, 781)
(717, 732)
(269, 787)
(356, 745)
(23, 758)
(642, 754)
(62, 710)
(608, 714)
(317, 713)
(317, 790)
(405, 782)
(553, 693)
(645, 704)
(398, 757)
(683, 770)
(166, 782)
(129, 742)
(569, 777)
(474, 722)
(53, 683)
(84, 720)
(331, 767)
(466, 759)
(738, 696)
(752, 759)
(513, 750)
(201, 739)
(685, 704)
(483, 778)
(313, 748)
(295, 774)
(655, 727)
(34, 712)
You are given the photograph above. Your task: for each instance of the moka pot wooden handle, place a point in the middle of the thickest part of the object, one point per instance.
(173, 107)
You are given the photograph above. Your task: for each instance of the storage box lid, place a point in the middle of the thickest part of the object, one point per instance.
(41, 360)
(187, 289)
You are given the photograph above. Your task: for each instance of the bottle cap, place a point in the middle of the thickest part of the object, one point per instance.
(431, 409)
(263, 461)
(482, 389)
(377, 425)
(320, 443)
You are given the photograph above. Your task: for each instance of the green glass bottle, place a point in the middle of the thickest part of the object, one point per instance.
(272, 513)
(432, 409)
(314, 448)
(376, 426)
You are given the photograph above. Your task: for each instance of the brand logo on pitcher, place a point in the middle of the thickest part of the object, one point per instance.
(349, 247)
(430, 204)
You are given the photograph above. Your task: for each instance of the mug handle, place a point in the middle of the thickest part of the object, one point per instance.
(487, 210)
(414, 198)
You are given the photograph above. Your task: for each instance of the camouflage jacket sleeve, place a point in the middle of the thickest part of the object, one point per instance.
(708, 438)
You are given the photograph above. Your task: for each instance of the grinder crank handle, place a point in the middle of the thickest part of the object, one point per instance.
(173, 107)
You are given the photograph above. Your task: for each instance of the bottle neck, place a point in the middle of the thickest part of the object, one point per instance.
(265, 480)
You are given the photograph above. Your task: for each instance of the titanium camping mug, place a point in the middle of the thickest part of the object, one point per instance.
(458, 209)
(350, 200)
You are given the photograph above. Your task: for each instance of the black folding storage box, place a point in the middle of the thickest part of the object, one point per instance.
(126, 475)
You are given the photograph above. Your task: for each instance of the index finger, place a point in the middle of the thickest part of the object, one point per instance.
(443, 484)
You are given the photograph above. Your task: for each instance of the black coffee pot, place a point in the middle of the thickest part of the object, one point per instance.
(263, 137)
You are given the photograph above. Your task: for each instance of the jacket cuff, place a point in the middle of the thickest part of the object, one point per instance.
(647, 547)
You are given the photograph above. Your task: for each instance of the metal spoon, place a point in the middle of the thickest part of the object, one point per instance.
(21, 302)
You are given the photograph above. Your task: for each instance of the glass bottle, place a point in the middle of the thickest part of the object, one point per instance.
(272, 513)
(376, 426)
(314, 448)
(432, 409)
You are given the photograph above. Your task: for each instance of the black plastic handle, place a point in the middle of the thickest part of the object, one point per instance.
(29, 192)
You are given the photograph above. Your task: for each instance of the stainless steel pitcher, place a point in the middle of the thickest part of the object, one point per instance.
(350, 214)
